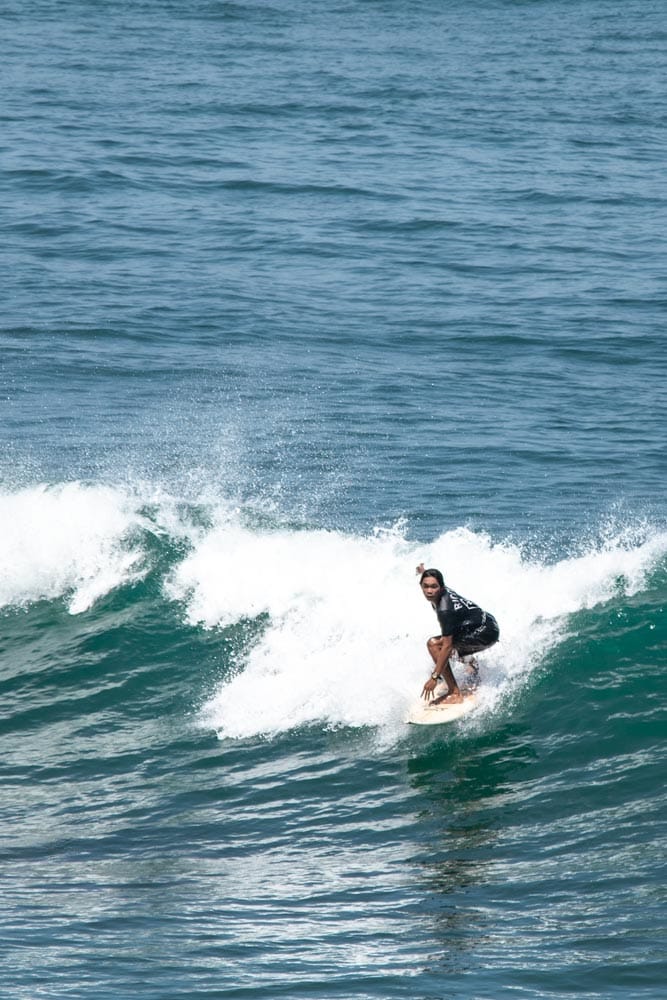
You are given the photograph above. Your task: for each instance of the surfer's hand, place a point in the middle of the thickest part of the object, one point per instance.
(429, 688)
(420, 569)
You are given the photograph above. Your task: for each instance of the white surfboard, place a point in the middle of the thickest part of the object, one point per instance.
(427, 714)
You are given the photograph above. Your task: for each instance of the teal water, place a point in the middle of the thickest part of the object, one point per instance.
(295, 297)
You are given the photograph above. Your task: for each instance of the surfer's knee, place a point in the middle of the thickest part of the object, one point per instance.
(433, 644)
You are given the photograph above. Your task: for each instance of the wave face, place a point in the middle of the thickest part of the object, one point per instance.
(318, 626)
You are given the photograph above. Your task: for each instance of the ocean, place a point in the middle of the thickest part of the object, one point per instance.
(296, 296)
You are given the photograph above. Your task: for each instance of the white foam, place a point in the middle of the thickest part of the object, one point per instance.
(346, 622)
(341, 621)
(69, 540)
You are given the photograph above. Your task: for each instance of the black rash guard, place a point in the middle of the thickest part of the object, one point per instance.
(471, 628)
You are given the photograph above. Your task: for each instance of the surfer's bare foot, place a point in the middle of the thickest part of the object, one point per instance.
(451, 698)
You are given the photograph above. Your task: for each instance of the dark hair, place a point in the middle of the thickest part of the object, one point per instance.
(435, 573)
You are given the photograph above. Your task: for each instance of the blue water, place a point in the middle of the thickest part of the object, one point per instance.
(295, 296)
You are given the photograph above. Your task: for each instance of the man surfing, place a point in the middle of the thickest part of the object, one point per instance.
(466, 629)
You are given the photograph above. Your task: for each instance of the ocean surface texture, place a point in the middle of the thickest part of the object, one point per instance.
(296, 295)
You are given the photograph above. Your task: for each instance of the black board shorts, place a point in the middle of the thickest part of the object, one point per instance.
(482, 637)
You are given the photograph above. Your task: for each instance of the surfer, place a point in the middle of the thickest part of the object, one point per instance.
(466, 629)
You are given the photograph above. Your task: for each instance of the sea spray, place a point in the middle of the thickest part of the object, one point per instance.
(70, 540)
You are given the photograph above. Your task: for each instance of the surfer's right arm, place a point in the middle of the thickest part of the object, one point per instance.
(441, 669)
